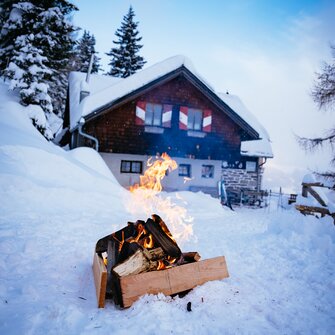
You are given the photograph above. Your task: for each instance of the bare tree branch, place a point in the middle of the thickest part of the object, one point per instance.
(323, 92)
(311, 144)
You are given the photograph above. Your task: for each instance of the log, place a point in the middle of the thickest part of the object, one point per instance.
(119, 236)
(135, 264)
(312, 209)
(100, 279)
(173, 280)
(112, 255)
(190, 257)
(161, 239)
(154, 254)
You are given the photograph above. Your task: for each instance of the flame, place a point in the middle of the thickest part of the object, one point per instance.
(151, 180)
(147, 199)
(161, 265)
(148, 242)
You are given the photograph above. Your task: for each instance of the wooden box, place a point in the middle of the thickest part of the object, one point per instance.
(169, 281)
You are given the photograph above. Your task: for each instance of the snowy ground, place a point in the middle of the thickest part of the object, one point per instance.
(55, 205)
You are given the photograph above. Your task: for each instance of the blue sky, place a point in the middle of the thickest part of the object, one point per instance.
(266, 52)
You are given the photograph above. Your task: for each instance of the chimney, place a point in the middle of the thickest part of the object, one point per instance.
(84, 87)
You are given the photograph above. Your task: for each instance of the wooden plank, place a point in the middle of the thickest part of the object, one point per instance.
(316, 196)
(100, 279)
(173, 280)
(312, 209)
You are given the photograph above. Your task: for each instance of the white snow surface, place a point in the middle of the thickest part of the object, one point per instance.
(326, 193)
(55, 205)
(257, 148)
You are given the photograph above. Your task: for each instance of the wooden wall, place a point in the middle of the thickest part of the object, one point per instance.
(117, 132)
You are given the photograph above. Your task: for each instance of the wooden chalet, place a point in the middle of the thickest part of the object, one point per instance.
(169, 108)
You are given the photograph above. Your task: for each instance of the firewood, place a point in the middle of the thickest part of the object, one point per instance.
(127, 250)
(154, 254)
(119, 236)
(190, 257)
(112, 256)
(135, 264)
(169, 246)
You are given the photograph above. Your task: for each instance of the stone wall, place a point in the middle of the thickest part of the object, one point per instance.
(237, 179)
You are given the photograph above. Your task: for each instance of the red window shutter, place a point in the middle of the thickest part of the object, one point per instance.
(140, 113)
(183, 117)
(207, 121)
(167, 115)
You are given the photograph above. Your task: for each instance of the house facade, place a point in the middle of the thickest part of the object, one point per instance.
(169, 108)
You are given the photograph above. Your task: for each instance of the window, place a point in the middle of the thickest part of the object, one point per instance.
(131, 167)
(194, 119)
(153, 114)
(250, 166)
(184, 170)
(207, 171)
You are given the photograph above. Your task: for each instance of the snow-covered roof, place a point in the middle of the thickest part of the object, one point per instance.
(104, 90)
(108, 91)
(257, 148)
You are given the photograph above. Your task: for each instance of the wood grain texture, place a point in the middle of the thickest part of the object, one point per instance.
(100, 279)
(173, 280)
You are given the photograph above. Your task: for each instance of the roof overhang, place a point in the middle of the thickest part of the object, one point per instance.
(193, 79)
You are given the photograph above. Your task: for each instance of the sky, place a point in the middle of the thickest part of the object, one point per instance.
(265, 52)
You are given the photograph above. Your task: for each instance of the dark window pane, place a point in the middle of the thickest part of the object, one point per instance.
(184, 170)
(194, 119)
(125, 166)
(131, 167)
(136, 167)
(153, 114)
(207, 171)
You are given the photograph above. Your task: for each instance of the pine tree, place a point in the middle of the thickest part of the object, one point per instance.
(85, 47)
(125, 60)
(55, 33)
(323, 94)
(35, 47)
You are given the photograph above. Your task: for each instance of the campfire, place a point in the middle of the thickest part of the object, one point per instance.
(144, 257)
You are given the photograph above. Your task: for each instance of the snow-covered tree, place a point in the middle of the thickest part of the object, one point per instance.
(55, 34)
(323, 94)
(125, 60)
(35, 47)
(85, 47)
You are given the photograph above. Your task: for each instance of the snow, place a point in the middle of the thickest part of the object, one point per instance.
(257, 148)
(97, 83)
(55, 205)
(325, 192)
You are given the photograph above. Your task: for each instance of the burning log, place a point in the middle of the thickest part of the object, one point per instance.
(136, 263)
(161, 237)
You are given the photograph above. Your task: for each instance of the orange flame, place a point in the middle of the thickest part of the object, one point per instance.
(147, 200)
(151, 180)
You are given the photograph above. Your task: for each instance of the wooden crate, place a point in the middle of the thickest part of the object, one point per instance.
(170, 281)
(100, 279)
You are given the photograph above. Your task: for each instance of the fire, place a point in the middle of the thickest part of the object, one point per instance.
(151, 180)
(147, 199)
